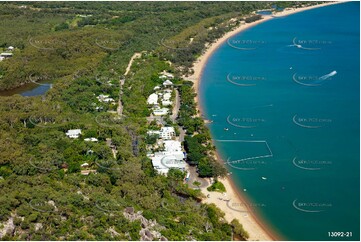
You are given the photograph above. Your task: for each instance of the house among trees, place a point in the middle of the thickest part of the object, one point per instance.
(166, 98)
(73, 133)
(91, 139)
(152, 99)
(170, 76)
(160, 111)
(167, 83)
(171, 157)
(166, 75)
(166, 103)
(10, 48)
(165, 133)
(5, 55)
(87, 172)
(90, 152)
(105, 98)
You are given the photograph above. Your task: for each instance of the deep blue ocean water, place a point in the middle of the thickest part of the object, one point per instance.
(284, 100)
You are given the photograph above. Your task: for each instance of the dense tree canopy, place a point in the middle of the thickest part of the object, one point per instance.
(57, 188)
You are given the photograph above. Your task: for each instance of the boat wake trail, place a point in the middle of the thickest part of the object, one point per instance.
(325, 77)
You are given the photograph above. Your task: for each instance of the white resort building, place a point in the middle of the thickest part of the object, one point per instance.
(91, 139)
(160, 111)
(5, 55)
(73, 133)
(105, 98)
(171, 157)
(152, 99)
(165, 133)
(166, 103)
(167, 83)
(166, 75)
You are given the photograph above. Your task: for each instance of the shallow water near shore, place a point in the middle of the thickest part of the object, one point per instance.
(284, 100)
(28, 90)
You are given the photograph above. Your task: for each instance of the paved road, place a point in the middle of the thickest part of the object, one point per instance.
(182, 133)
(194, 177)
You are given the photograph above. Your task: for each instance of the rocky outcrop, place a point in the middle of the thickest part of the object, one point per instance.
(150, 229)
(38, 226)
(112, 232)
(7, 228)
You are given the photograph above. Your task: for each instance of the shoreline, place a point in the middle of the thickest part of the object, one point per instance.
(256, 228)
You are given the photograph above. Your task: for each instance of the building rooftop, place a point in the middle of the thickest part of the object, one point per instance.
(167, 83)
(91, 139)
(160, 111)
(172, 146)
(167, 96)
(6, 54)
(152, 99)
(163, 161)
(73, 133)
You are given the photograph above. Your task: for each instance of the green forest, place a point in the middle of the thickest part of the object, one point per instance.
(83, 49)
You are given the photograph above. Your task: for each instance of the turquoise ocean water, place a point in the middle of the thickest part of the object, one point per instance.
(284, 100)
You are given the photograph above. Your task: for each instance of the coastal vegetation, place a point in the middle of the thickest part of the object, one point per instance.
(238, 229)
(217, 186)
(57, 188)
